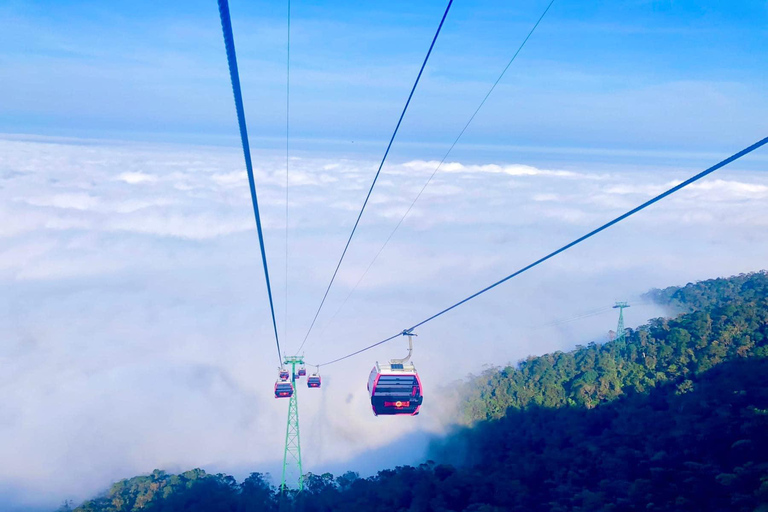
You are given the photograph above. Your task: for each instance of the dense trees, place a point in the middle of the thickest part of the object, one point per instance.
(695, 443)
(192, 490)
(727, 320)
(674, 418)
(713, 292)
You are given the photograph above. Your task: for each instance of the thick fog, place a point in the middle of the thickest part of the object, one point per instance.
(136, 327)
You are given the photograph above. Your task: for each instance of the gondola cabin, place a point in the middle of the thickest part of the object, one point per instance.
(302, 372)
(283, 389)
(395, 388)
(284, 374)
(313, 381)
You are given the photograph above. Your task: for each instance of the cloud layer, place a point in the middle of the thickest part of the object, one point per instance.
(134, 307)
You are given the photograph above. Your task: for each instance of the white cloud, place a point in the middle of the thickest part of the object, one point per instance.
(195, 227)
(22, 254)
(71, 201)
(135, 178)
(718, 189)
(132, 205)
(230, 178)
(511, 170)
(142, 309)
(652, 189)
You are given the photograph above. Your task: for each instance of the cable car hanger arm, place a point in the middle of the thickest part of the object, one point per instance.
(410, 349)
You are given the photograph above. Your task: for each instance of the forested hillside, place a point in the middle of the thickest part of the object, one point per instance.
(713, 292)
(726, 320)
(675, 418)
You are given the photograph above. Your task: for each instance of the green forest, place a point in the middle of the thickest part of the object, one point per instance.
(673, 417)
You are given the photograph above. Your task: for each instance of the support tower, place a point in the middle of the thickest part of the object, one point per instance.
(292, 473)
(620, 333)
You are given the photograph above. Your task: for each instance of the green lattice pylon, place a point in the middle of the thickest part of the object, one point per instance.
(620, 332)
(292, 472)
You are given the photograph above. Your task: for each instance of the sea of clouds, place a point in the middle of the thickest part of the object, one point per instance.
(136, 327)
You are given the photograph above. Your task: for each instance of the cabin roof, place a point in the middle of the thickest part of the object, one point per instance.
(388, 368)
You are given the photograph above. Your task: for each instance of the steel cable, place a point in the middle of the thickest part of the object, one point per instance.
(376, 177)
(567, 246)
(229, 43)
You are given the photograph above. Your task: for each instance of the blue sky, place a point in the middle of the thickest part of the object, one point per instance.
(640, 75)
(137, 332)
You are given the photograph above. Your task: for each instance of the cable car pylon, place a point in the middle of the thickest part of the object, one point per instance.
(621, 334)
(292, 472)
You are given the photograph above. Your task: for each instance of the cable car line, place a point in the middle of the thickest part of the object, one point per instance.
(563, 321)
(564, 248)
(442, 161)
(229, 43)
(586, 314)
(362, 349)
(378, 172)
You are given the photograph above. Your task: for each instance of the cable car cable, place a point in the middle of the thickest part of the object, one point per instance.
(229, 43)
(376, 176)
(564, 248)
(442, 161)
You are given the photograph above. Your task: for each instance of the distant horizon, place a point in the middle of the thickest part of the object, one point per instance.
(623, 75)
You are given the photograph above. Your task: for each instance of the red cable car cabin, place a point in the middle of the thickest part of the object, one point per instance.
(283, 389)
(313, 381)
(395, 388)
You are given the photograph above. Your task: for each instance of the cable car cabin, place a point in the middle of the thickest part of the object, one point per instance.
(284, 374)
(313, 381)
(395, 388)
(302, 372)
(283, 389)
